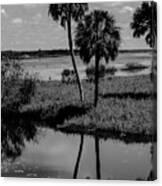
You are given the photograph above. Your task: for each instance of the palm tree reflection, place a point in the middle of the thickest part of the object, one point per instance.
(153, 173)
(15, 130)
(97, 152)
(98, 165)
(75, 173)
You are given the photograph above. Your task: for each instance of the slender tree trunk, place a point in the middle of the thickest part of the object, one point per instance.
(79, 157)
(96, 80)
(98, 165)
(153, 173)
(73, 58)
(154, 62)
(154, 47)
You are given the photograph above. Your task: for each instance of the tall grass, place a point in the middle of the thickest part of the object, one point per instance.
(17, 87)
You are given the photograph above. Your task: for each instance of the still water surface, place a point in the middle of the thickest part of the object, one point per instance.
(52, 67)
(58, 155)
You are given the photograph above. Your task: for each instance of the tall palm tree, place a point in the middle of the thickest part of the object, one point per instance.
(97, 36)
(65, 13)
(145, 24)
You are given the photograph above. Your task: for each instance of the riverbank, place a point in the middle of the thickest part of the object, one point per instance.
(125, 108)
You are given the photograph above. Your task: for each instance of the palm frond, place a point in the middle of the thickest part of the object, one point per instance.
(61, 12)
(97, 34)
(145, 22)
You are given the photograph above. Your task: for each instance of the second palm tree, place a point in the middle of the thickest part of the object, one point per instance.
(97, 36)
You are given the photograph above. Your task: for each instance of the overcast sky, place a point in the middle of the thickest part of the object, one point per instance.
(28, 27)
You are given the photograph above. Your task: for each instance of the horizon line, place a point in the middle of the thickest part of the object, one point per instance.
(7, 50)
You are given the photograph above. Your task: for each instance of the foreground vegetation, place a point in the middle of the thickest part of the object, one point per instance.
(125, 107)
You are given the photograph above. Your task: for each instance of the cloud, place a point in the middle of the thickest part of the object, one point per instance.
(17, 21)
(105, 5)
(113, 4)
(36, 18)
(126, 9)
(30, 5)
(3, 12)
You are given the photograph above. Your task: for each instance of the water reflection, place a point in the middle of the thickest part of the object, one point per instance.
(78, 157)
(97, 153)
(58, 155)
(98, 165)
(153, 172)
(15, 130)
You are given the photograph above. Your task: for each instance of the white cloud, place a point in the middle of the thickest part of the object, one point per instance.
(126, 9)
(105, 5)
(113, 4)
(17, 21)
(37, 18)
(3, 12)
(30, 5)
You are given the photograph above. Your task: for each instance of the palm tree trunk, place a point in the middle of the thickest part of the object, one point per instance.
(154, 48)
(73, 58)
(154, 77)
(154, 61)
(96, 80)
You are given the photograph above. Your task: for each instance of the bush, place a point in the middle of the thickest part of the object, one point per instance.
(66, 72)
(68, 76)
(134, 67)
(90, 72)
(111, 71)
(17, 87)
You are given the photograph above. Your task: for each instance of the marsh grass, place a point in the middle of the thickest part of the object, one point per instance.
(125, 107)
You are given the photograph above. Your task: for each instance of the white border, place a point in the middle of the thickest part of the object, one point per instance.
(63, 182)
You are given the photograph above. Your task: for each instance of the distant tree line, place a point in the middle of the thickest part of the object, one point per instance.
(11, 54)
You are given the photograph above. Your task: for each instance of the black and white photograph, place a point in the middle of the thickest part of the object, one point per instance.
(79, 90)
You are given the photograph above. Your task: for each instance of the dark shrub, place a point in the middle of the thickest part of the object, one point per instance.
(66, 72)
(17, 87)
(27, 88)
(134, 67)
(111, 70)
(68, 76)
(90, 72)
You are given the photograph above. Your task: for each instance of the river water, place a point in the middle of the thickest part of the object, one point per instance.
(58, 155)
(51, 68)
